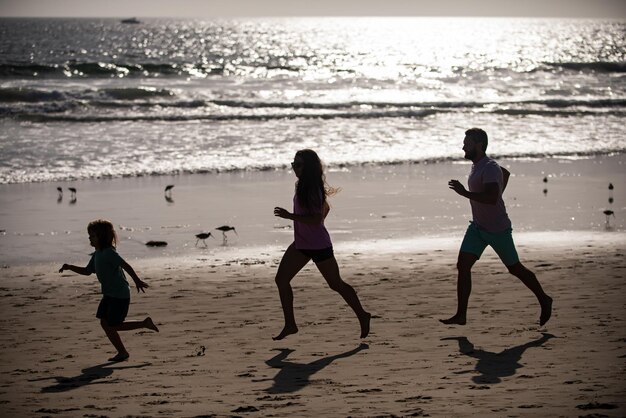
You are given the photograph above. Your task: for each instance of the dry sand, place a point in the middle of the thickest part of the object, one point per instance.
(214, 355)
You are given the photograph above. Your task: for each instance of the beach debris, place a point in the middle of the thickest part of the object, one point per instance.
(224, 229)
(200, 351)
(545, 179)
(156, 244)
(203, 236)
(545, 192)
(247, 408)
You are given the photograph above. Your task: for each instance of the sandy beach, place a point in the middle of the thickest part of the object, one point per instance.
(396, 230)
(214, 355)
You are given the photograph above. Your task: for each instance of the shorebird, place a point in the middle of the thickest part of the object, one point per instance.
(169, 188)
(545, 179)
(608, 214)
(202, 236)
(611, 186)
(60, 198)
(73, 196)
(224, 229)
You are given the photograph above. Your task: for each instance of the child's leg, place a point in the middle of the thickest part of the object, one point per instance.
(115, 339)
(292, 262)
(131, 325)
(330, 271)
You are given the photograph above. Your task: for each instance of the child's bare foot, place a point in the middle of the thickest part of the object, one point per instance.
(286, 331)
(546, 310)
(455, 320)
(120, 357)
(365, 324)
(149, 324)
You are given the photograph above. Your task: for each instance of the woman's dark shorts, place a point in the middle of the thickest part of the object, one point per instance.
(113, 310)
(319, 255)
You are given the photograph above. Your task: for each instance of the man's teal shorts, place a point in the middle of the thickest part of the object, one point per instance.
(476, 240)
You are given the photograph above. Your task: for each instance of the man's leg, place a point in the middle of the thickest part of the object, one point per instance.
(463, 288)
(530, 280)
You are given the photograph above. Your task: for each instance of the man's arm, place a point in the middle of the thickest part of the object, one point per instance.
(505, 178)
(489, 196)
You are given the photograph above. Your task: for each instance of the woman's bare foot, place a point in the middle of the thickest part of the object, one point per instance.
(285, 332)
(546, 310)
(365, 324)
(455, 320)
(149, 324)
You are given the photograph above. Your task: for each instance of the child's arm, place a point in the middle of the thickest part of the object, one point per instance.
(75, 269)
(141, 285)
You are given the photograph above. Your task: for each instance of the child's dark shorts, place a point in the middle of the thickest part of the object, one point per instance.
(319, 255)
(113, 310)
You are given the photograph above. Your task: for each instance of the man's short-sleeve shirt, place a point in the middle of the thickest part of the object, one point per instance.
(491, 218)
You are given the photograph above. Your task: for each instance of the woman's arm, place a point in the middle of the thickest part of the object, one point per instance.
(306, 219)
(75, 269)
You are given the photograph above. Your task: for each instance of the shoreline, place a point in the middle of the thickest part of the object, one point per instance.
(398, 202)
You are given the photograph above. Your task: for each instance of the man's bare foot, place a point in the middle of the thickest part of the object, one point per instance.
(286, 331)
(365, 324)
(546, 310)
(149, 324)
(120, 357)
(455, 320)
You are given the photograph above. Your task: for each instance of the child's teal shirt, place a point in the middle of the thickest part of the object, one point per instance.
(107, 264)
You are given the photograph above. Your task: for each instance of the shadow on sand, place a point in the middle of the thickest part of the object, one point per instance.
(88, 376)
(492, 367)
(293, 377)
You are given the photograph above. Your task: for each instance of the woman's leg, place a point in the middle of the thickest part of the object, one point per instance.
(330, 271)
(292, 262)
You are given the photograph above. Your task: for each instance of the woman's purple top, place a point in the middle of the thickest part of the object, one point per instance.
(309, 236)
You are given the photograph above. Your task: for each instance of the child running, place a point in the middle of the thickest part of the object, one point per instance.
(109, 266)
(312, 241)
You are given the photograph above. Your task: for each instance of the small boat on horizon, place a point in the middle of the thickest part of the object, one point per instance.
(131, 20)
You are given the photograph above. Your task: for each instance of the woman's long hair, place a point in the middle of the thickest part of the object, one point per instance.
(311, 185)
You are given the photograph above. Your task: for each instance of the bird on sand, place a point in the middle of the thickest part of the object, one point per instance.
(608, 213)
(545, 179)
(611, 186)
(202, 236)
(73, 196)
(169, 188)
(224, 229)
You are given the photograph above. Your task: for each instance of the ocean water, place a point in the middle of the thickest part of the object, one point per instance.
(88, 98)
